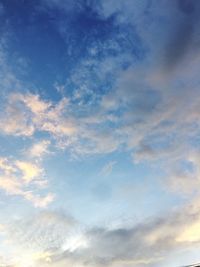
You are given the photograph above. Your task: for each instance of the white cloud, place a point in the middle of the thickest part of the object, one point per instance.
(35, 240)
(34, 103)
(27, 113)
(75, 241)
(38, 201)
(22, 178)
(29, 170)
(6, 166)
(59, 121)
(11, 185)
(16, 122)
(39, 149)
(185, 179)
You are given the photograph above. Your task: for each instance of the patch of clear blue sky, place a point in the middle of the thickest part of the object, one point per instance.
(93, 196)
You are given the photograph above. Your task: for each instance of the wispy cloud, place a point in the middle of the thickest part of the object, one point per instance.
(39, 149)
(36, 115)
(107, 168)
(19, 178)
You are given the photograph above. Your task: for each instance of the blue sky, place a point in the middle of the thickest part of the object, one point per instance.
(99, 133)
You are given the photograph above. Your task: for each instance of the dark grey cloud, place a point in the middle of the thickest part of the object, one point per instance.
(183, 34)
(187, 6)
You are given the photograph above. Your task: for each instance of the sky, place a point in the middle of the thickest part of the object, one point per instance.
(99, 133)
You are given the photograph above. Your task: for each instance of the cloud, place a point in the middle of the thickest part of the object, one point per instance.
(107, 169)
(171, 44)
(37, 200)
(148, 243)
(16, 122)
(39, 149)
(69, 131)
(33, 241)
(29, 170)
(59, 240)
(32, 102)
(22, 178)
(28, 113)
(184, 33)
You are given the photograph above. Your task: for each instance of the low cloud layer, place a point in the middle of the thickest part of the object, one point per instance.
(56, 240)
